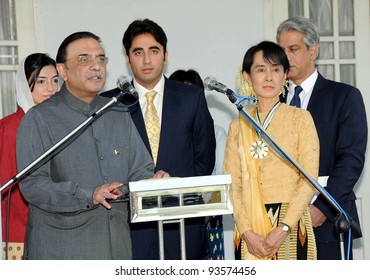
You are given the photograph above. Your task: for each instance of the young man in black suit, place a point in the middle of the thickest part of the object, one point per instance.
(339, 114)
(186, 141)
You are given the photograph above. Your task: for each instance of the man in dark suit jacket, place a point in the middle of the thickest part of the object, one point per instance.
(187, 140)
(339, 114)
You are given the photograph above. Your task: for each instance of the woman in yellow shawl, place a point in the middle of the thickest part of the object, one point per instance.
(270, 195)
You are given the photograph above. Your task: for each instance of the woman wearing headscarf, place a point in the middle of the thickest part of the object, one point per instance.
(36, 80)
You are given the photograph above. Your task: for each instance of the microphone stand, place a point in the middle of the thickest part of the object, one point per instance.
(343, 222)
(59, 145)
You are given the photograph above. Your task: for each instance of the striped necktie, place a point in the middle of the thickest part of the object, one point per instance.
(152, 124)
(296, 100)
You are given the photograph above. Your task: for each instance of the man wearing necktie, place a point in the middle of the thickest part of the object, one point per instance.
(296, 100)
(152, 125)
(186, 140)
(339, 114)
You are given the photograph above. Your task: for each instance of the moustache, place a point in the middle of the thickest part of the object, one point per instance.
(95, 74)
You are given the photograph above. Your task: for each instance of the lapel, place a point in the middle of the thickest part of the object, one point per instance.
(138, 119)
(170, 112)
(316, 96)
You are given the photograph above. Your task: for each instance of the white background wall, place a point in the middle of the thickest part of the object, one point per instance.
(210, 36)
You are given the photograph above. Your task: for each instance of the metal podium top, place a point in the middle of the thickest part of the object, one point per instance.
(174, 198)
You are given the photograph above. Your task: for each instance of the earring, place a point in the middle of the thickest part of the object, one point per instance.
(249, 89)
(285, 88)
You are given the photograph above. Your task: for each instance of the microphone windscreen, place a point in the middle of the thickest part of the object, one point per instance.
(123, 80)
(208, 81)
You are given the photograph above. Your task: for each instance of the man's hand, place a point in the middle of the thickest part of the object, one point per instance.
(106, 191)
(161, 174)
(318, 218)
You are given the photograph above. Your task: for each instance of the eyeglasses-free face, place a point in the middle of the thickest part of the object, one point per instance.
(46, 84)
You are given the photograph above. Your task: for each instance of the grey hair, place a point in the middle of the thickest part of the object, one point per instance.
(302, 25)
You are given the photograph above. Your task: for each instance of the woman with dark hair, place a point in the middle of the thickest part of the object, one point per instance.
(190, 77)
(36, 80)
(270, 195)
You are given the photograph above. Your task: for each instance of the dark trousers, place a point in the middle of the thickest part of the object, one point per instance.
(145, 240)
(331, 250)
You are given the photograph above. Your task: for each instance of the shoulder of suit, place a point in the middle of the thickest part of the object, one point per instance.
(117, 106)
(110, 93)
(336, 87)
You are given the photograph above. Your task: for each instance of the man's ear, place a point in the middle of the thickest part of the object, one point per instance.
(62, 71)
(314, 51)
(128, 60)
(166, 57)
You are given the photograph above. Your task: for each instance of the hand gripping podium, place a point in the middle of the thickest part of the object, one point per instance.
(171, 200)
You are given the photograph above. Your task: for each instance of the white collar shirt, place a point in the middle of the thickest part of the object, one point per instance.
(307, 88)
(158, 100)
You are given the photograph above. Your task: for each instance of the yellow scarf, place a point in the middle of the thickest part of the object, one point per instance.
(255, 208)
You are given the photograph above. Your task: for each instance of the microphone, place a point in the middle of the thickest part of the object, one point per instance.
(124, 84)
(210, 83)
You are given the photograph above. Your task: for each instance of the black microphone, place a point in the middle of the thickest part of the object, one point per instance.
(124, 84)
(210, 83)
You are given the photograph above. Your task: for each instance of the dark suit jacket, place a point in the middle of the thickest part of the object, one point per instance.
(187, 148)
(339, 114)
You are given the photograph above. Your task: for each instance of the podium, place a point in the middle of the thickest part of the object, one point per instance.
(171, 200)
